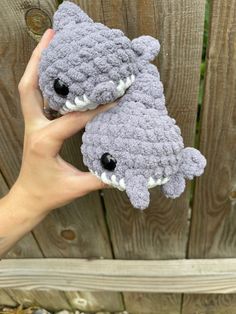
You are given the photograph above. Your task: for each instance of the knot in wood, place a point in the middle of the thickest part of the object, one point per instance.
(37, 21)
(68, 234)
(233, 195)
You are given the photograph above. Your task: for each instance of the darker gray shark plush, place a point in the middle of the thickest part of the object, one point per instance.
(135, 145)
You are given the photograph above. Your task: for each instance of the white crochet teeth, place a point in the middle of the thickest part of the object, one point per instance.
(79, 105)
(121, 183)
(83, 103)
(123, 85)
(152, 183)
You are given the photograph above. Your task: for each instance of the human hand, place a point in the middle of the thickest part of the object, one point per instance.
(46, 181)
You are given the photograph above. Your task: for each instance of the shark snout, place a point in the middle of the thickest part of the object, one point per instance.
(109, 91)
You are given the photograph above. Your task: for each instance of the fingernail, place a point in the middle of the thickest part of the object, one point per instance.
(47, 32)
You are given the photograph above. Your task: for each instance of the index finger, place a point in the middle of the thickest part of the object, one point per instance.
(31, 97)
(30, 76)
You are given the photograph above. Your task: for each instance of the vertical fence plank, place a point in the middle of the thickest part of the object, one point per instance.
(94, 241)
(15, 48)
(4, 297)
(27, 243)
(84, 219)
(161, 231)
(214, 209)
(11, 297)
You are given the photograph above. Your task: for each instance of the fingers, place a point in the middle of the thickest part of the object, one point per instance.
(30, 76)
(66, 126)
(31, 98)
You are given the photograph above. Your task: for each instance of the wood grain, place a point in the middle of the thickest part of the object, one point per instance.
(160, 232)
(4, 297)
(12, 297)
(6, 300)
(214, 210)
(163, 276)
(84, 219)
(212, 303)
(79, 230)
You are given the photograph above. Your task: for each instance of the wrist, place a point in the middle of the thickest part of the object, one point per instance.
(18, 216)
(23, 199)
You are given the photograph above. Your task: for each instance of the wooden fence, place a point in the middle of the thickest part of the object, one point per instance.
(99, 253)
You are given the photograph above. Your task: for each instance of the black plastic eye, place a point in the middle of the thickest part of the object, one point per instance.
(108, 162)
(60, 87)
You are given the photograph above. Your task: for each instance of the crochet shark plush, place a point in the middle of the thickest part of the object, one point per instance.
(135, 145)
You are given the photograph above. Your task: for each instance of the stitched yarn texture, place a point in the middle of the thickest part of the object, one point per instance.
(136, 145)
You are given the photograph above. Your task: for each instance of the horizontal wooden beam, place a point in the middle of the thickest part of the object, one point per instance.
(163, 276)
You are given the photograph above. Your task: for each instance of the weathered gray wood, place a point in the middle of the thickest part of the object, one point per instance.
(83, 220)
(21, 249)
(6, 300)
(214, 210)
(16, 45)
(51, 300)
(27, 243)
(209, 303)
(4, 297)
(11, 297)
(161, 231)
(163, 276)
(3, 186)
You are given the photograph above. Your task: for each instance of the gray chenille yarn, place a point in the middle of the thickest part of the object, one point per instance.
(135, 145)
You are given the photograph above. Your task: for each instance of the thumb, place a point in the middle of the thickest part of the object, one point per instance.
(85, 183)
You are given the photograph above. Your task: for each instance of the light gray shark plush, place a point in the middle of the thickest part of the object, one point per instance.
(135, 145)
